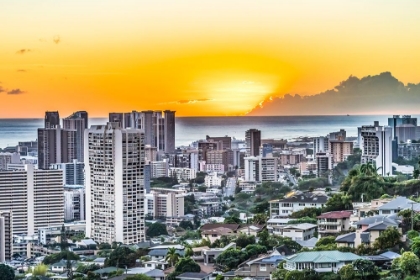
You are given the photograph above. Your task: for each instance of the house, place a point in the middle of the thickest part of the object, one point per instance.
(61, 266)
(157, 264)
(353, 239)
(215, 231)
(194, 276)
(391, 220)
(276, 222)
(259, 268)
(210, 255)
(398, 204)
(302, 231)
(295, 202)
(320, 261)
(159, 254)
(99, 261)
(333, 222)
(251, 229)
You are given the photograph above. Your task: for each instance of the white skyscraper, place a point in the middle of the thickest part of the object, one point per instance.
(376, 145)
(114, 162)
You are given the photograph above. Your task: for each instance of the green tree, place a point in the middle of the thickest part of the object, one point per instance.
(232, 220)
(186, 225)
(243, 240)
(6, 272)
(188, 252)
(172, 256)
(306, 212)
(338, 202)
(259, 218)
(347, 272)
(365, 268)
(261, 207)
(295, 275)
(103, 246)
(327, 240)
(187, 265)
(53, 258)
(231, 258)
(263, 237)
(40, 270)
(388, 239)
(409, 263)
(122, 257)
(156, 229)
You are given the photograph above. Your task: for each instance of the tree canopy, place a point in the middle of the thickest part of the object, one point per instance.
(156, 229)
(121, 257)
(6, 272)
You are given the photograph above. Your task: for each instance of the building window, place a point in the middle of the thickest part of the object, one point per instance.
(263, 267)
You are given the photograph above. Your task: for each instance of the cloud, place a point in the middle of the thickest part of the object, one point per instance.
(15, 91)
(23, 51)
(2, 89)
(186, 101)
(21, 70)
(368, 95)
(56, 39)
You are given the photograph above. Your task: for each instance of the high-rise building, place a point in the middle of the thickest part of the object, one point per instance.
(226, 141)
(320, 145)
(148, 125)
(74, 203)
(205, 146)
(78, 121)
(339, 135)
(397, 121)
(34, 196)
(165, 204)
(340, 150)
(8, 158)
(6, 236)
(252, 169)
(52, 119)
(323, 164)
(224, 157)
(116, 117)
(73, 172)
(56, 145)
(376, 145)
(253, 142)
(169, 124)
(114, 162)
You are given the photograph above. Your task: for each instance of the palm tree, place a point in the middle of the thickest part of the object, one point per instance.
(368, 169)
(347, 201)
(172, 256)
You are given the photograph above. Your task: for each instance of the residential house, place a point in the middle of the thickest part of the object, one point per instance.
(216, 231)
(302, 231)
(277, 222)
(398, 204)
(295, 202)
(353, 239)
(259, 268)
(251, 229)
(320, 261)
(210, 255)
(61, 266)
(159, 254)
(334, 222)
(310, 243)
(194, 276)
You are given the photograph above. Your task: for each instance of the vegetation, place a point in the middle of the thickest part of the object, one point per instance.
(313, 184)
(388, 239)
(122, 257)
(53, 258)
(186, 225)
(306, 212)
(6, 272)
(172, 256)
(244, 240)
(40, 270)
(139, 277)
(156, 229)
(163, 182)
(231, 258)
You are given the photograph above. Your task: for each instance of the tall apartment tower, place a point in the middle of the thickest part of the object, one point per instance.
(6, 236)
(78, 121)
(320, 145)
(73, 172)
(56, 145)
(116, 117)
(148, 127)
(52, 119)
(169, 125)
(34, 196)
(253, 142)
(114, 162)
(376, 145)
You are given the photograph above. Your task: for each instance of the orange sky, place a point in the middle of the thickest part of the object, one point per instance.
(195, 57)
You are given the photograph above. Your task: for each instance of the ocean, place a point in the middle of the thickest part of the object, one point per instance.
(189, 129)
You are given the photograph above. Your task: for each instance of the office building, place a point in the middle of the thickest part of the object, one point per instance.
(52, 119)
(226, 141)
(8, 158)
(147, 123)
(205, 146)
(73, 172)
(78, 121)
(74, 203)
(150, 153)
(252, 169)
(159, 168)
(224, 157)
(269, 169)
(169, 124)
(27, 148)
(182, 174)
(320, 145)
(337, 136)
(34, 196)
(147, 176)
(56, 145)
(323, 164)
(165, 205)
(289, 158)
(266, 150)
(116, 117)
(51, 232)
(376, 145)
(253, 142)
(398, 121)
(114, 162)
(6, 236)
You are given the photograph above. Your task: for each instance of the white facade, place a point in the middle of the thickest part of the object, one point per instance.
(320, 145)
(212, 179)
(6, 236)
(159, 168)
(182, 174)
(376, 145)
(219, 168)
(114, 160)
(8, 158)
(296, 202)
(252, 166)
(168, 205)
(299, 232)
(35, 198)
(46, 234)
(268, 169)
(74, 204)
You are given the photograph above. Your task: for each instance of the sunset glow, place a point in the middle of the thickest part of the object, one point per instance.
(195, 57)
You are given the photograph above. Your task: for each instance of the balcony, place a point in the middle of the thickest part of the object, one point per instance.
(329, 223)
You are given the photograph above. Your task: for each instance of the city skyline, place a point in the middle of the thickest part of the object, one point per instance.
(199, 59)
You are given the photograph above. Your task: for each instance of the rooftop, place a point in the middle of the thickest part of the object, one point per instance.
(400, 202)
(193, 275)
(336, 215)
(323, 257)
(303, 226)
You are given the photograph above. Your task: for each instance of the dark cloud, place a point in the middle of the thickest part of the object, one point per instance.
(56, 39)
(368, 95)
(23, 51)
(15, 91)
(21, 70)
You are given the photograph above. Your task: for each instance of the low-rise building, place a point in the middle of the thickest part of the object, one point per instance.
(259, 268)
(303, 231)
(396, 205)
(216, 231)
(213, 180)
(209, 255)
(295, 202)
(182, 174)
(334, 222)
(320, 261)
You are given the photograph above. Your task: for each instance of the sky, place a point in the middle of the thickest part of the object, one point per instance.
(200, 58)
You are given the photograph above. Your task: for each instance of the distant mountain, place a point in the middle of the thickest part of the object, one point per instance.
(380, 94)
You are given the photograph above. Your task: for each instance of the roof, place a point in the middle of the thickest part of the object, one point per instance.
(199, 249)
(106, 270)
(232, 227)
(382, 225)
(391, 255)
(274, 259)
(176, 246)
(163, 252)
(400, 202)
(323, 257)
(307, 243)
(303, 226)
(305, 197)
(350, 237)
(391, 220)
(99, 260)
(336, 215)
(194, 275)
(88, 242)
